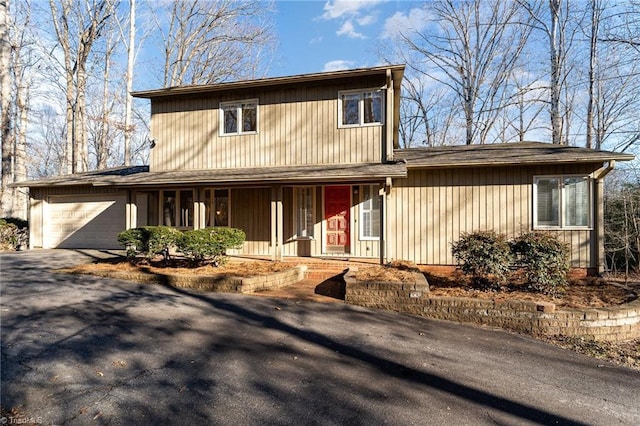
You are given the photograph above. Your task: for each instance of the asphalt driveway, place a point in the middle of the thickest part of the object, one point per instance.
(87, 350)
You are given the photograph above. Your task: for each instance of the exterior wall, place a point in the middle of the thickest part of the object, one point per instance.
(295, 126)
(250, 211)
(432, 207)
(38, 205)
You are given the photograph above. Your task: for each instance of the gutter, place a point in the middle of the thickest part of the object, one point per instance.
(603, 171)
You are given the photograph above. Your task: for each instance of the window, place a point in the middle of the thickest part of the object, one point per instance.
(360, 108)
(177, 208)
(216, 207)
(562, 202)
(370, 213)
(304, 212)
(239, 117)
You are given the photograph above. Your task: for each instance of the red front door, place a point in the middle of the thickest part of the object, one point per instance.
(337, 202)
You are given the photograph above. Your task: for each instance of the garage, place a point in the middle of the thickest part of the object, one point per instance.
(84, 221)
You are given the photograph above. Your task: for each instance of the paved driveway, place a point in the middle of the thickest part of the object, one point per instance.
(88, 350)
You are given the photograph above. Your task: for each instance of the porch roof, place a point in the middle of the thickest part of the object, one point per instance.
(518, 153)
(141, 176)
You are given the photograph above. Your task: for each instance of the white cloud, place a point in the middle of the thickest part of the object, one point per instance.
(346, 8)
(399, 23)
(348, 29)
(367, 19)
(351, 13)
(337, 65)
(316, 40)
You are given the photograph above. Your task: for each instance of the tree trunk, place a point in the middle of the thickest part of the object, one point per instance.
(128, 130)
(5, 114)
(593, 46)
(555, 50)
(20, 198)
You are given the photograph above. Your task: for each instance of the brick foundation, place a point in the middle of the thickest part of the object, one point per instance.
(214, 283)
(616, 323)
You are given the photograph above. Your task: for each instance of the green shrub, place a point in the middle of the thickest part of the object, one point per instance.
(485, 256)
(210, 244)
(544, 260)
(132, 241)
(149, 240)
(160, 240)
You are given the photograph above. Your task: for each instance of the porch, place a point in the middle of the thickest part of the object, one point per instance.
(326, 221)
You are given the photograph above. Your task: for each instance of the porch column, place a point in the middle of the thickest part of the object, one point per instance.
(199, 220)
(277, 222)
(385, 193)
(598, 228)
(131, 210)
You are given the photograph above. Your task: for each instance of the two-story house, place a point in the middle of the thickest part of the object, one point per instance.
(310, 165)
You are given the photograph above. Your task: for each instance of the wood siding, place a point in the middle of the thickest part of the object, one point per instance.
(250, 211)
(295, 126)
(431, 208)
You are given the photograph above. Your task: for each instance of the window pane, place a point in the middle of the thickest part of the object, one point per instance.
(230, 119)
(547, 201)
(370, 212)
(169, 208)
(221, 217)
(576, 201)
(304, 215)
(186, 208)
(373, 107)
(249, 117)
(350, 109)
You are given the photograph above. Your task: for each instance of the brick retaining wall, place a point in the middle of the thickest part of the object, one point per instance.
(215, 283)
(615, 323)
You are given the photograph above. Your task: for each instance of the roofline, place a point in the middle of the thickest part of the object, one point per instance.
(498, 163)
(397, 70)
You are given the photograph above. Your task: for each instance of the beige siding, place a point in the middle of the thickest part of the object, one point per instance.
(250, 211)
(295, 126)
(431, 208)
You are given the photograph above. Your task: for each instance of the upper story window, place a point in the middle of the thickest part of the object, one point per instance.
(562, 202)
(239, 117)
(360, 108)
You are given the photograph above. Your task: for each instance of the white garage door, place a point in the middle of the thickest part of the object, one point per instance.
(84, 221)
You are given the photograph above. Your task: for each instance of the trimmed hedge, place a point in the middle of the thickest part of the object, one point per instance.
(149, 240)
(210, 244)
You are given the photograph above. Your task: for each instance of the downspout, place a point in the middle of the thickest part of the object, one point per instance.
(598, 233)
(389, 118)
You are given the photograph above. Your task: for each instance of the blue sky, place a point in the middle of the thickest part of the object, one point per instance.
(317, 36)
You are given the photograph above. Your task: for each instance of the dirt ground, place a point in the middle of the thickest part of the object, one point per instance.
(180, 266)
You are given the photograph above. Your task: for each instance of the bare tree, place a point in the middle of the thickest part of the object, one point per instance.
(209, 41)
(77, 26)
(422, 114)
(473, 54)
(5, 104)
(128, 129)
(559, 23)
